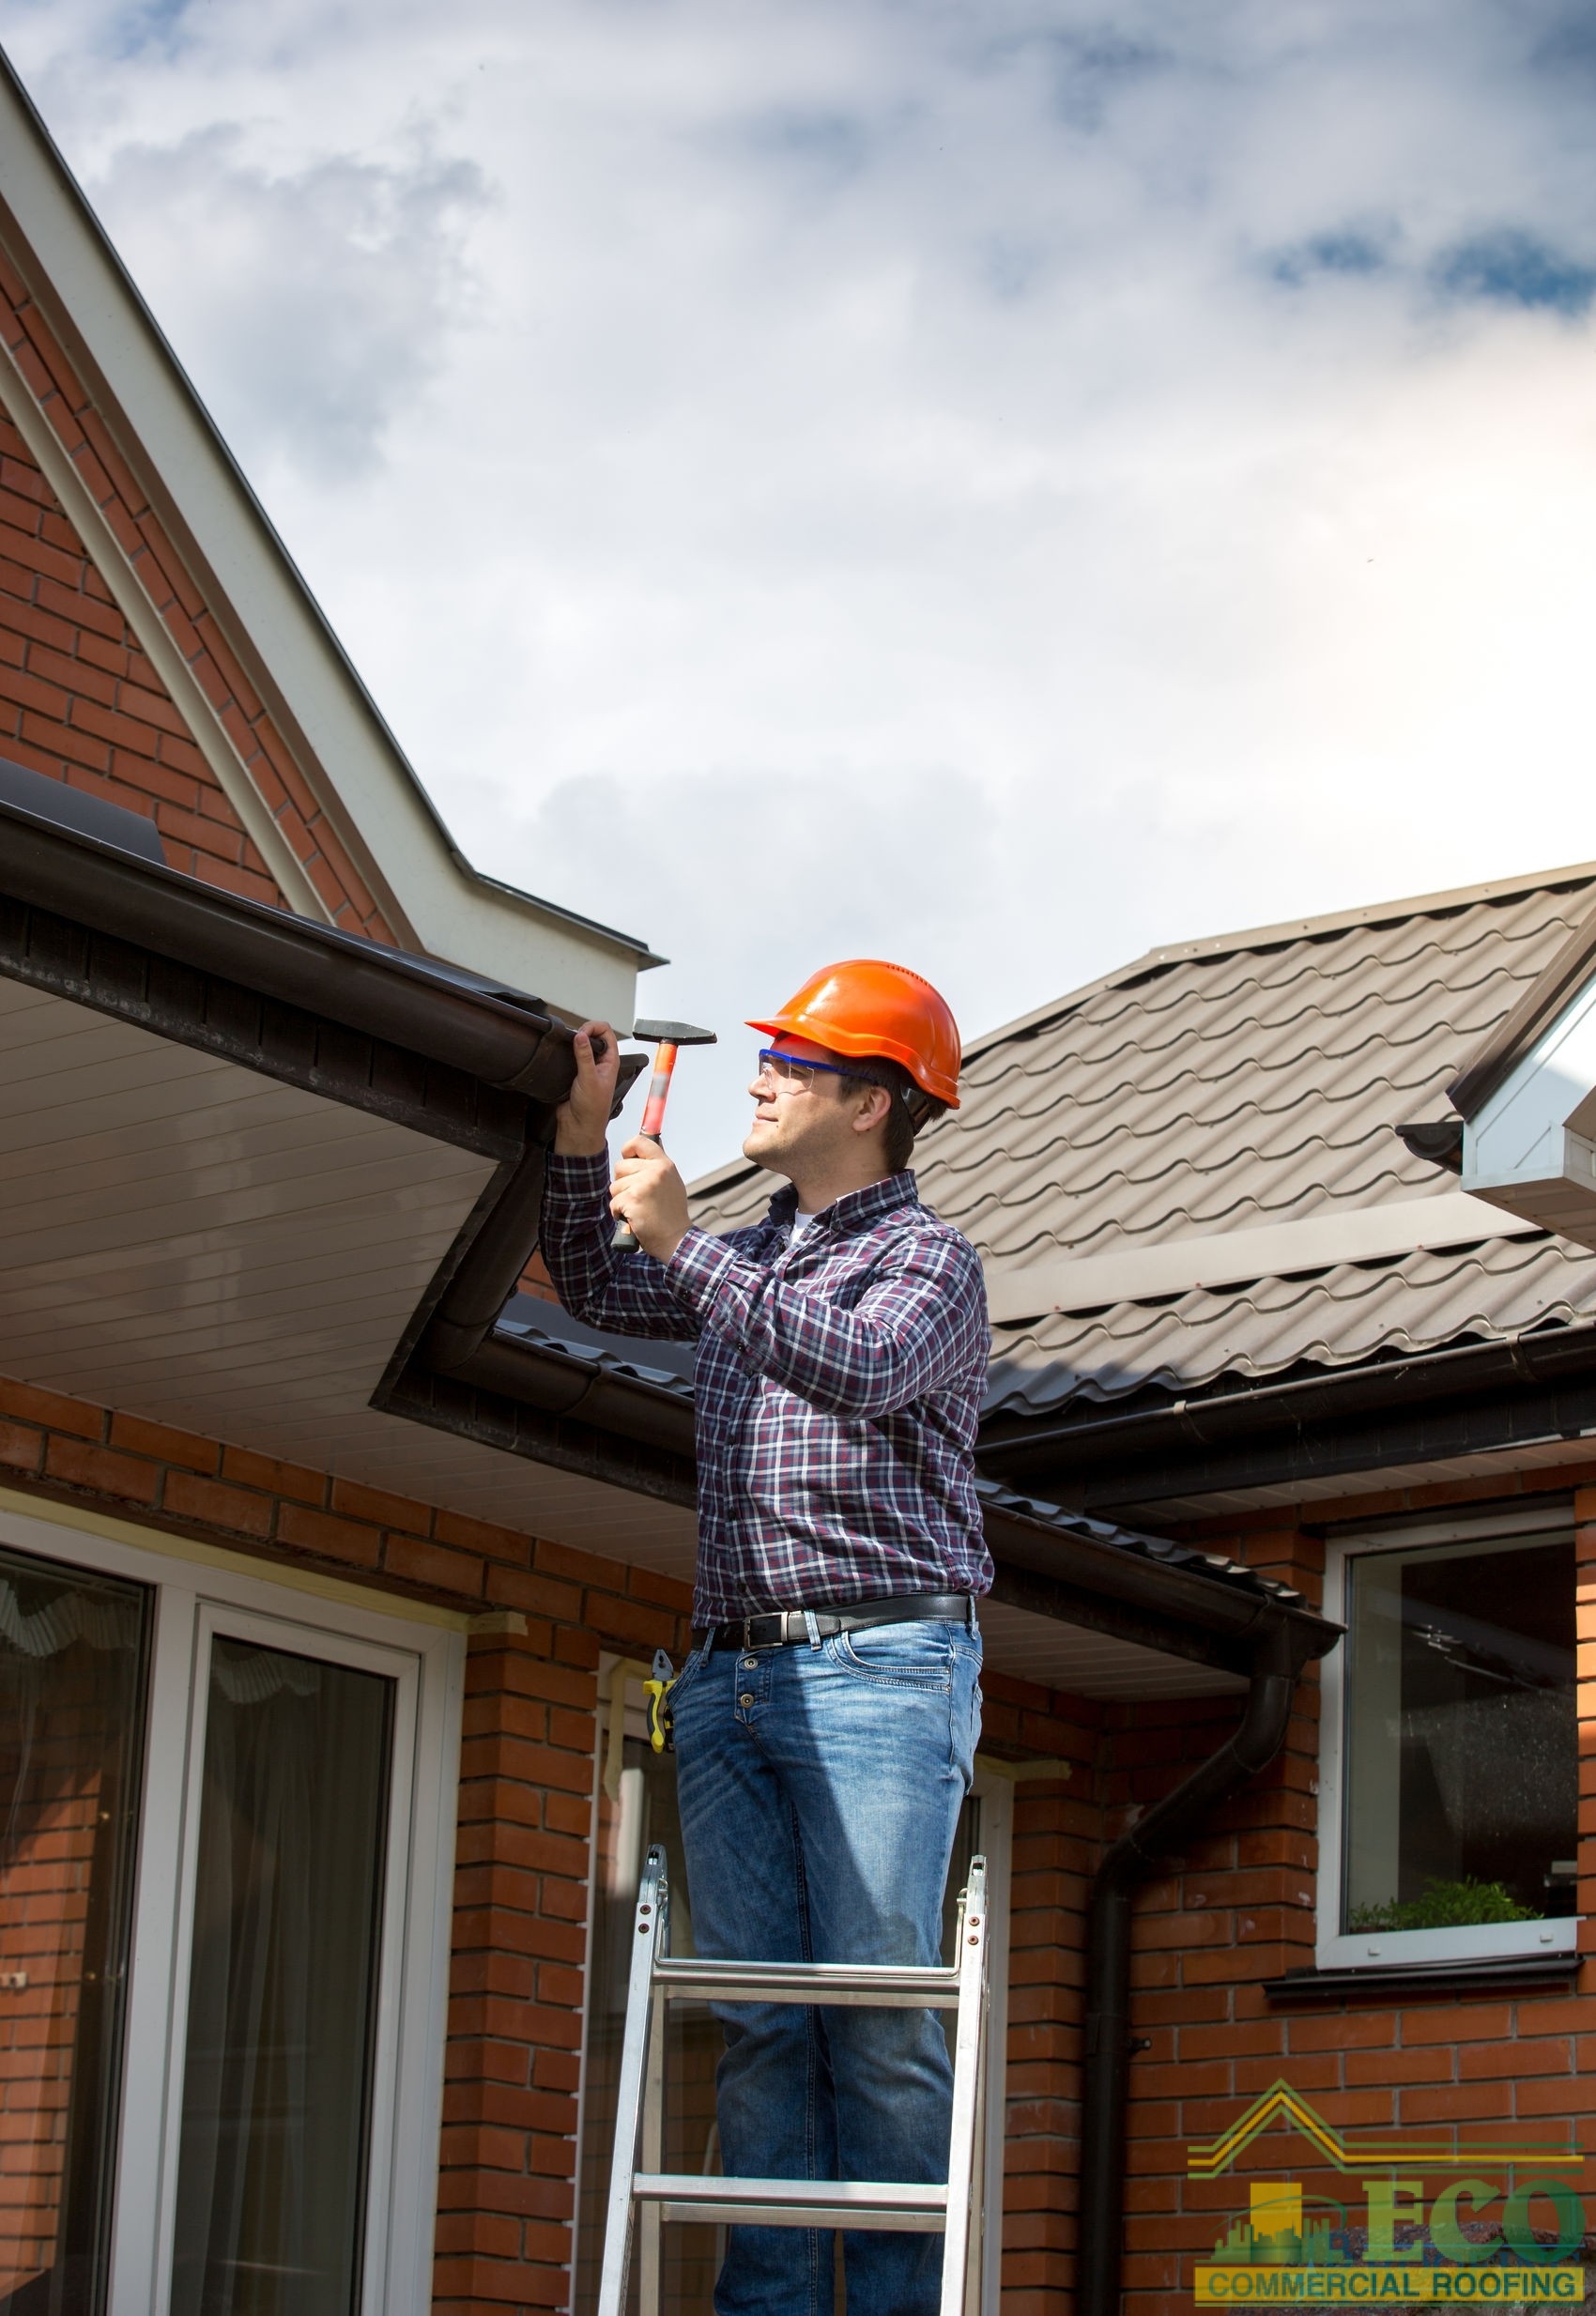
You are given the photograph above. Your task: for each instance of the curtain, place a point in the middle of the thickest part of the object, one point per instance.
(293, 1824)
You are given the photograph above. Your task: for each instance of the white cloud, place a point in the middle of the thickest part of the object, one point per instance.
(999, 488)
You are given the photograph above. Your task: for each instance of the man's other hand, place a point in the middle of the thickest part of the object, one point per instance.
(650, 1195)
(581, 1123)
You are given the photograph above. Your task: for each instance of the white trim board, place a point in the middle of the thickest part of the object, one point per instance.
(1225, 1258)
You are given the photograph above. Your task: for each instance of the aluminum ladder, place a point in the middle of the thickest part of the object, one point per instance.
(642, 2198)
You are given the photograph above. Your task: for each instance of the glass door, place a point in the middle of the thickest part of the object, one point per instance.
(285, 1928)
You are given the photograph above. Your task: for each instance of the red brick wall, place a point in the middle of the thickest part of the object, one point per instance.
(80, 701)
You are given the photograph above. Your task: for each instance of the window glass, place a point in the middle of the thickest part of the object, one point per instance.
(71, 1715)
(287, 1910)
(1462, 1795)
(644, 1814)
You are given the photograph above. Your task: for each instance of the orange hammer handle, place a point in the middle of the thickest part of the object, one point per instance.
(624, 1240)
(659, 1086)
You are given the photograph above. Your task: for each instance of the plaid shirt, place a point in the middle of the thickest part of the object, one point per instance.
(837, 1384)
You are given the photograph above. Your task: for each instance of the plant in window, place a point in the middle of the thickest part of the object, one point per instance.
(1445, 1906)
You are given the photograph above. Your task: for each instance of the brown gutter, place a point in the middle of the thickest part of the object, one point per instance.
(1463, 1369)
(428, 1007)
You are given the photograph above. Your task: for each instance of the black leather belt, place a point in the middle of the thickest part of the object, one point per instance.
(784, 1626)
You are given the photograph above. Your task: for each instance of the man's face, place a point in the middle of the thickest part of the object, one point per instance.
(801, 1122)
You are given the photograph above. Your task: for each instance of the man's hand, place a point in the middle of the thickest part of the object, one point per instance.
(581, 1123)
(650, 1195)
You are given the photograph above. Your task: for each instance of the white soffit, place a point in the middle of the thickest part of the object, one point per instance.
(442, 904)
(1173, 1266)
(187, 1240)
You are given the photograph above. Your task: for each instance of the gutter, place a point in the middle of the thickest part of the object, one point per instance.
(1278, 1655)
(427, 1007)
(1464, 1369)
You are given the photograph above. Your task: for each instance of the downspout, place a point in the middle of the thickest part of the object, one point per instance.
(1137, 1853)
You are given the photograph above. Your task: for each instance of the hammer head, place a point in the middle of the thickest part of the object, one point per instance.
(672, 1033)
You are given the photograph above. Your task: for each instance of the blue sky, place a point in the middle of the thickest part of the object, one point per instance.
(1000, 486)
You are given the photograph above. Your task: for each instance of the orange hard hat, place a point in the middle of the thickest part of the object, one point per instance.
(864, 1007)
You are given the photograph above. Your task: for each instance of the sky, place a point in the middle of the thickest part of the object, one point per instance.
(999, 486)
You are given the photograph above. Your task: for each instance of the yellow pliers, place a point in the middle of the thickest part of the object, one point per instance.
(657, 1690)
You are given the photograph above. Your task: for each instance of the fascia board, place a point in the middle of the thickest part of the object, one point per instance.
(437, 901)
(1228, 1258)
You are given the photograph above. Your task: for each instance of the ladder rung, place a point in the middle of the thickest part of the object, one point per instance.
(882, 1985)
(900, 2206)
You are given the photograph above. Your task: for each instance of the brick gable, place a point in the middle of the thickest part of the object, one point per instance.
(80, 702)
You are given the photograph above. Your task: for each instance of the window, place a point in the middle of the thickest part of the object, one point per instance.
(224, 1933)
(634, 1807)
(1449, 1808)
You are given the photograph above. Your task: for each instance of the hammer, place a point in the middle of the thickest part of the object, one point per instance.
(666, 1037)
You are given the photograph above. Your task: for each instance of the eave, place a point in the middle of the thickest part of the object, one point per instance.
(306, 1238)
(1466, 1400)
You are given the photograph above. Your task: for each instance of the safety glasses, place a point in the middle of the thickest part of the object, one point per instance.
(785, 1074)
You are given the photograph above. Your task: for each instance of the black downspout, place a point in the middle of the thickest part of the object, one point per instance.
(1135, 1855)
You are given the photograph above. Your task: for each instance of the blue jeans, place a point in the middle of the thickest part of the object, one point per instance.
(820, 1788)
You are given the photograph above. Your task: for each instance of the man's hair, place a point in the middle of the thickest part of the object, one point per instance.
(912, 1106)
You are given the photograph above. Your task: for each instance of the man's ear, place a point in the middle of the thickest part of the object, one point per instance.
(873, 1111)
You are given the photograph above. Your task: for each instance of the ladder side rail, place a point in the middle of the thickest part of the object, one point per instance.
(651, 2275)
(975, 2269)
(629, 2093)
(968, 2048)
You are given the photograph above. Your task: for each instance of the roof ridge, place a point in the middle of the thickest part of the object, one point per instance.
(1291, 929)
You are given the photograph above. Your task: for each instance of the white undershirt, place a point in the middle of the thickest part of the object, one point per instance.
(800, 1224)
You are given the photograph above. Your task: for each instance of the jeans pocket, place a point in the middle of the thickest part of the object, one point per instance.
(692, 1666)
(916, 1655)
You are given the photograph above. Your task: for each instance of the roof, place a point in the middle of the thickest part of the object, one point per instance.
(1189, 1172)
(433, 899)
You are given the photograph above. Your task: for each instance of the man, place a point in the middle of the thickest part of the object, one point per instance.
(826, 1721)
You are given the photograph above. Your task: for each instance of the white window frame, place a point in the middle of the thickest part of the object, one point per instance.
(993, 1787)
(194, 1598)
(1384, 1950)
